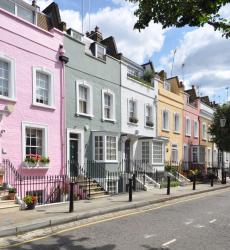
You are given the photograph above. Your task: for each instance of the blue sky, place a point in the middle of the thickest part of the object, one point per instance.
(205, 54)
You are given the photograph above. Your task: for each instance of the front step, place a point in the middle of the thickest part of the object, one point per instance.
(5, 204)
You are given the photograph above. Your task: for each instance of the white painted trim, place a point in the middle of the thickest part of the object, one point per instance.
(104, 135)
(162, 119)
(135, 110)
(11, 86)
(46, 71)
(113, 105)
(196, 122)
(145, 113)
(189, 132)
(202, 134)
(45, 137)
(81, 147)
(89, 96)
(179, 125)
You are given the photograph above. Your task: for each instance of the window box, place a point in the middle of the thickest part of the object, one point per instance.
(133, 120)
(149, 124)
(36, 161)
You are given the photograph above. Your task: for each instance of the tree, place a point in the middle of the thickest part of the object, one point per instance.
(179, 13)
(221, 136)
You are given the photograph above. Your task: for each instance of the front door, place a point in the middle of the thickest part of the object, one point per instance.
(127, 156)
(186, 157)
(74, 154)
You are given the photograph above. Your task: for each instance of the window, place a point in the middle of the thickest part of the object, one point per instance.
(174, 154)
(27, 14)
(132, 110)
(100, 52)
(195, 154)
(157, 152)
(84, 98)
(188, 127)
(111, 148)
(98, 148)
(35, 139)
(133, 72)
(167, 86)
(145, 152)
(196, 129)
(108, 105)
(7, 78)
(149, 115)
(43, 88)
(165, 120)
(176, 122)
(204, 131)
(105, 147)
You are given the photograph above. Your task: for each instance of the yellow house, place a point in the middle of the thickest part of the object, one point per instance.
(170, 116)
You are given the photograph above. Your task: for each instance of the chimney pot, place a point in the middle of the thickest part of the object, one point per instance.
(96, 29)
(34, 3)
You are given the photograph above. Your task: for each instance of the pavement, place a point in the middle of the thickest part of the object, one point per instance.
(200, 222)
(14, 221)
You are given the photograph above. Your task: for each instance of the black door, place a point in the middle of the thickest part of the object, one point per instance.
(73, 157)
(127, 156)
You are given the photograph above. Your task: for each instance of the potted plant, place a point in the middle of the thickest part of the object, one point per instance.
(12, 192)
(133, 119)
(149, 124)
(44, 161)
(30, 201)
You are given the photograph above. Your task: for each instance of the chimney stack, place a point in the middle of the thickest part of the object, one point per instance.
(95, 35)
(34, 3)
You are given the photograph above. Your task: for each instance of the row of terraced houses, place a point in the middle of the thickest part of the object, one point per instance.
(69, 99)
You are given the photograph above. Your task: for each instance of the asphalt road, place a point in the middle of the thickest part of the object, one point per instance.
(197, 224)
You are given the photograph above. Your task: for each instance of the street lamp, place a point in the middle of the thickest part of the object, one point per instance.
(222, 125)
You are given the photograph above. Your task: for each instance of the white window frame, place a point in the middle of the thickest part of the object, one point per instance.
(104, 135)
(149, 152)
(113, 105)
(96, 51)
(204, 136)
(11, 83)
(163, 128)
(51, 100)
(135, 111)
(176, 114)
(89, 98)
(174, 147)
(196, 132)
(187, 128)
(44, 129)
(147, 105)
(163, 153)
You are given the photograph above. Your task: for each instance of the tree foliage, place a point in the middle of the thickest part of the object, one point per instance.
(179, 13)
(221, 136)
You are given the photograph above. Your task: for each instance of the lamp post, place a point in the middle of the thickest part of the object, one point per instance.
(222, 125)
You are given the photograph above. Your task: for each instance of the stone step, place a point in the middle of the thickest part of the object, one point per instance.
(4, 204)
(99, 196)
(97, 193)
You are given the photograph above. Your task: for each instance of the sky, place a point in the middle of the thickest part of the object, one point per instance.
(204, 53)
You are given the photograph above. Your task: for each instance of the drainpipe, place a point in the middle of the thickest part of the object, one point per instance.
(63, 59)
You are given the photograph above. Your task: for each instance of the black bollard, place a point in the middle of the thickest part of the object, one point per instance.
(71, 208)
(194, 182)
(168, 185)
(130, 189)
(222, 175)
(225, 177)
(212, 176)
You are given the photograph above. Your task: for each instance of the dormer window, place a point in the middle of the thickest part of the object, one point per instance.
(100, 52)
(167, 86)
(25, 12)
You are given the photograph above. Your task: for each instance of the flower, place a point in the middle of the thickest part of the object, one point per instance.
(30, 199)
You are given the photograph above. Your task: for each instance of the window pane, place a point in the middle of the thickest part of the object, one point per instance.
(111, 148)
(107, 106)
(28, 15)
(7, 5)
(98, 147)
(33, 141)
(42, 88)
(4, 78)
(157, 152)
(83, 97)
(145, 152)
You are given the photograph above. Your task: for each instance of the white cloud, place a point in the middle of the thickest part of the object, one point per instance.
(206, 58)
(118, 22)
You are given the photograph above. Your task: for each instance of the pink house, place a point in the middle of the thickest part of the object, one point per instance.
(31, 89)
(191, 126)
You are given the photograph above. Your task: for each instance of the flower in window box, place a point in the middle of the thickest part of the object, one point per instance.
(31, 160)
(149, 124)
(44, 161)
(133, 119)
